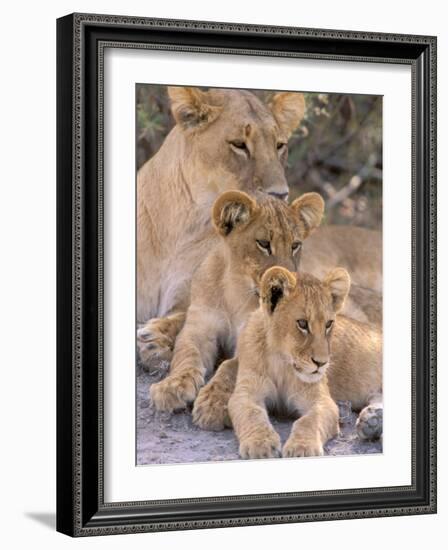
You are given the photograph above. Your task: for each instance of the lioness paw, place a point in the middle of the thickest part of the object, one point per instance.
(297, 446)
(154, 345)
(173, 393)
(262, 445)
(210, 409)
(369, 425)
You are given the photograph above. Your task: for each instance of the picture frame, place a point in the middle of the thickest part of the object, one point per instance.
(81, 507)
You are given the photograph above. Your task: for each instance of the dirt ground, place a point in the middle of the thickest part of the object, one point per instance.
(164, 438)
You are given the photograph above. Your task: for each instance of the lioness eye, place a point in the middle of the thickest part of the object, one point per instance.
(296, 246)
(329, 325)
(302, 324)
(264, 246)
(280, 146)
(239, 145)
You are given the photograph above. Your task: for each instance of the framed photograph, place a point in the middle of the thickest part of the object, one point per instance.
(246, 274)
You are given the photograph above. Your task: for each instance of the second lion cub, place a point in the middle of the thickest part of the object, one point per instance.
(284, 353)
(256, 233)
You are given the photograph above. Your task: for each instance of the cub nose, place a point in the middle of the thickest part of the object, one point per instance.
(318, 363)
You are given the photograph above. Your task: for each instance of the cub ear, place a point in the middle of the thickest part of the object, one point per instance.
(276, 283)
(288, 109)
(338, 282)
(310, 208)
(191, 107)
(232, 209)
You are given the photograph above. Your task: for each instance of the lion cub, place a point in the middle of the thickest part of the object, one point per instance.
(256, 233)
(283, 357)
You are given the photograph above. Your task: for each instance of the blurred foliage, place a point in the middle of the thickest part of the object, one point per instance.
(337, 150)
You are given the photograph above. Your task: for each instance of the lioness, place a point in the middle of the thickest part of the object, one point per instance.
(291, 347)
(222, 140)
(254, 235)
(358, 250)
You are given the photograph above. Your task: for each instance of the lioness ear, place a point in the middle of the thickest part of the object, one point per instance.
(232, 209)
(288, 109)
(338, 281)
(310, 208)
(190, 107)
(276, 283)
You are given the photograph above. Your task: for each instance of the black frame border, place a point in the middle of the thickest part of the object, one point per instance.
(81, 40)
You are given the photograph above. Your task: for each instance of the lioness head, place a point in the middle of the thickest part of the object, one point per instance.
(301, 312)
(235, 141)
(260, 232)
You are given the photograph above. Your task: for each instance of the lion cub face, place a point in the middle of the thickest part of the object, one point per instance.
(262, 232)
(301, 312)
(234, 140)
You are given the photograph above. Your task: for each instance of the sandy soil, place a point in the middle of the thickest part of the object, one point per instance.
(164, 438)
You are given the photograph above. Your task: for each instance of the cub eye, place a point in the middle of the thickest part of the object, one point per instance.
(297, 245)
(280, 146)
(264, 246)
(329, 325)
(302, 324)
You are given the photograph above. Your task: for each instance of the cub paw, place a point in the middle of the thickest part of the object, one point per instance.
(173, 393)
(210, 409)
(298, 447)
(154, 345)
(369, 425)
(261, 445)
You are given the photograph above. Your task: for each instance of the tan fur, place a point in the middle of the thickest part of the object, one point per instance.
(177, 186)
(296, 355)
(210, 410)
(357, 249)
(197, 162)
(365, 305)
(255, 234)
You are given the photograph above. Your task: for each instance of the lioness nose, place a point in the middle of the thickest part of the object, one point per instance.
(281, 196)
(319, 363)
